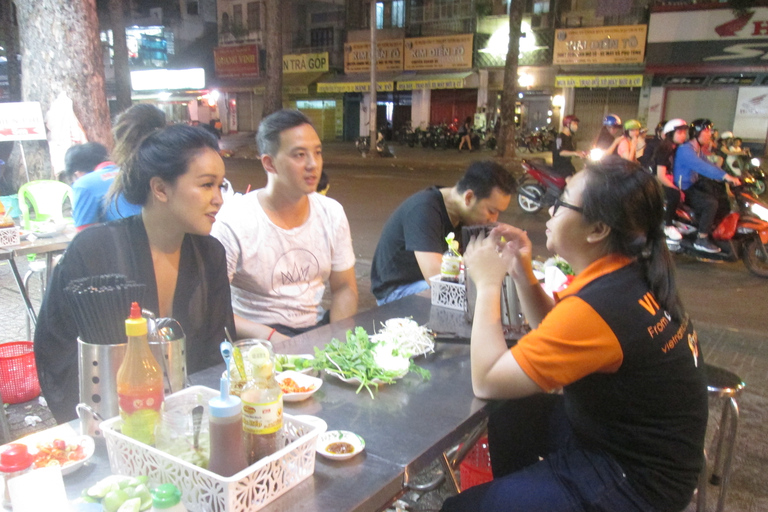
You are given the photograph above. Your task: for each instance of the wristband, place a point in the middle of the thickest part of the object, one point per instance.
(269, 338)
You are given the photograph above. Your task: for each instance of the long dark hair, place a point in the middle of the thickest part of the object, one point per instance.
(630, 201)
(146, 148)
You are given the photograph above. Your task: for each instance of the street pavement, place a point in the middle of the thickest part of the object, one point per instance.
(738, 345)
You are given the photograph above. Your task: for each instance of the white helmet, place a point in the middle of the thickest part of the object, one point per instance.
(673, 125)
(726, 135)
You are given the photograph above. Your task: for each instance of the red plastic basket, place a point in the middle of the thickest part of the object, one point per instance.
(18, 372)
(476, 467)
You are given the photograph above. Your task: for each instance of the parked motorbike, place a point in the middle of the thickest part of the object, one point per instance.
(746, 165)
(363, 145)
(741, 234)
(539, 185)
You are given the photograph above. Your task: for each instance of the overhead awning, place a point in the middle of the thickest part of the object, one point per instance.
(294, 83)
(356, 83)
(417, 82)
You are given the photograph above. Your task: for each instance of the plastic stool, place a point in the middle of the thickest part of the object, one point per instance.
(726, 385)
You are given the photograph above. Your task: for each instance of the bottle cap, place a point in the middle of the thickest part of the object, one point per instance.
(225, 405)
(15, 457)
(165, 496)
(135, 325)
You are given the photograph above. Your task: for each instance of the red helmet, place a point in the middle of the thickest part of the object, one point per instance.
(567, 120)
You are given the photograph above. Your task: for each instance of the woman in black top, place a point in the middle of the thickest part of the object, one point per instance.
(175, 173)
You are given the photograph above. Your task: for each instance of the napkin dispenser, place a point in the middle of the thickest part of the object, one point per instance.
(98, 365)
(512, 318)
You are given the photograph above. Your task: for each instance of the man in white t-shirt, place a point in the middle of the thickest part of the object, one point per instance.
(285, 241)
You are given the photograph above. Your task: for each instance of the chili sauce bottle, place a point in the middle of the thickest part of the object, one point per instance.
(139, 382)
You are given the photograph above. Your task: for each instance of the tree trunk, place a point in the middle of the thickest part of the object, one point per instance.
(120, 59)
(273, 96)
(509, 94)
(61, 52)
(10, 31)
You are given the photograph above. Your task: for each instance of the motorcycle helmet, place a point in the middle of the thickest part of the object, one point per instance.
(726, 135)
(567, 120)
(672, 125)
(632, 124)
(611, 120)
(697, 126)
(660, 129)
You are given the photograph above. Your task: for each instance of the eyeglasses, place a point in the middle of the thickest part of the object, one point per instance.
(559, 202)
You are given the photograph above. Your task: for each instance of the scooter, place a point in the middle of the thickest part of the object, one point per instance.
(743, 233)
(746, 165)
(539, 185)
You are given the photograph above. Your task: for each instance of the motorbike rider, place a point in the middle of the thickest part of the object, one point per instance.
(693, 174)
(631, 144)
(564, 147)
(674, 133)
(651, 143)
(607, 139)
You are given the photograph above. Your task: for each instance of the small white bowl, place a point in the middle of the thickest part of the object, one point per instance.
(327, 440)
(304, 381)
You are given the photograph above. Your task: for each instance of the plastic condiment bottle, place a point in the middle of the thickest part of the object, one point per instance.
(450, 268)
(225, 425)
(139, 382)
(262, 407)
(15, 460)
(167, 498)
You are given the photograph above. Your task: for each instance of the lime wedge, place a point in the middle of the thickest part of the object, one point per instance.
(131, 505)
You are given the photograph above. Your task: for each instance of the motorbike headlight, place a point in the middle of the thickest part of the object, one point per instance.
(596, 154)
(759, 210)
(755, 161)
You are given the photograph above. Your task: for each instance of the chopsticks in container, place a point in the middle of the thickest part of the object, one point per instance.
(100, 304)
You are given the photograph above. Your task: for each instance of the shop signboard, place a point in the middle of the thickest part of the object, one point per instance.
(623, 44)
(418, 84)
(305, 63)
(236, 61)
(708, 37)
(21, 121)
(444, 52)
(357, 56)
(599, 81)
(341, 87)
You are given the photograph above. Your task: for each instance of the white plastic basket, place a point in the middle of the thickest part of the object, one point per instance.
(448, 295)
(9, 236)
(202, 490)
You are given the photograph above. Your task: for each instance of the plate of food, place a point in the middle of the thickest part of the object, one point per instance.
(69, 453)
(49, 229)
(410, 338)
(297, 386)
(339, 444)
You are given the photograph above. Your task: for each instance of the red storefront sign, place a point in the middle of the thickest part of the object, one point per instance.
(237, 61)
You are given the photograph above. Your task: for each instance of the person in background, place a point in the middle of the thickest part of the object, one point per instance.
(565, 147)
(632, 143)
(91, 173)
(675, 133)
(697, 178)
(412, 243)
(626, 432)
(608, 138)
(167, 248)
(323, 184)
(465, 132)
(285, 241)
(651, 143)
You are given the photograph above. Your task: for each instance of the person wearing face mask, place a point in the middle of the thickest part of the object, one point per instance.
(565, 148)
(166, 247)
(627, 430)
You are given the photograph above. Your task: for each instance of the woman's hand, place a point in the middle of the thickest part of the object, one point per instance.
(518, 245)
(486, 263)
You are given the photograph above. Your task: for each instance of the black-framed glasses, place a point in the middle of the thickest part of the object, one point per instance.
(559, 202)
